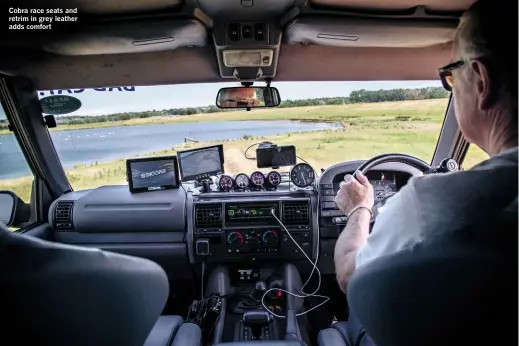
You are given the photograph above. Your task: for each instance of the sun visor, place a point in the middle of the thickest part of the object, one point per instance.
(130, 37)
(356, 32)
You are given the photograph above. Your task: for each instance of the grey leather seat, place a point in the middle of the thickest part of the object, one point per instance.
(456, 289)
(54, 294)
(172, 331)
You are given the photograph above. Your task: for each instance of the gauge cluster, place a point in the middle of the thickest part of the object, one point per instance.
(301, 175)
(256, 181)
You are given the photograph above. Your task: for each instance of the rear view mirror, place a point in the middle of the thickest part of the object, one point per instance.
(248, 97)
(7, 207)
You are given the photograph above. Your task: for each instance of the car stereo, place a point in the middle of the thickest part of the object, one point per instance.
(257, 214)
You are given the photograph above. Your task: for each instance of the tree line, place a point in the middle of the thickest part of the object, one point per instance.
(356, 96)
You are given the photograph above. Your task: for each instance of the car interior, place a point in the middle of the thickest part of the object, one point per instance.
(214, 262)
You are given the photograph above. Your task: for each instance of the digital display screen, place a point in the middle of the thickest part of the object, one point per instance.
(257, 214)
(276, 156)
(201, 163)
(154, 173)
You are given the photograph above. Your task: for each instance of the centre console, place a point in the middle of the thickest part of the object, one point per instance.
(242, 316)
(248, 228)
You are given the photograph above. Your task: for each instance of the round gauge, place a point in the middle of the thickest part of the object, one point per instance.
(274, 178)
(226, 183)
(257, 179)
(382, 189)
(242, 181)
(302, 175)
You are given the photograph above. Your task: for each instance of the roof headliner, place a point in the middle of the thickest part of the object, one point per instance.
(197, 65)
(103, 7)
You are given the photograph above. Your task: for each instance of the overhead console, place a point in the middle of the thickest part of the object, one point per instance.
(247, 50)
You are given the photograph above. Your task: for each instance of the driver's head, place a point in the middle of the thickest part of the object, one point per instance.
(243, 95)
(484, 74)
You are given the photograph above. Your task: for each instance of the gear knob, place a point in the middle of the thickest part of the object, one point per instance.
(259, 290)
(258, 317)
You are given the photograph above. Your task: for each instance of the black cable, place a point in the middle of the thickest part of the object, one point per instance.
(202, 279)
(183, 189)
(246, 150)
(305, 161)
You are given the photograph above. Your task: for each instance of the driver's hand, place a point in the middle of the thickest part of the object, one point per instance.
(354, 192)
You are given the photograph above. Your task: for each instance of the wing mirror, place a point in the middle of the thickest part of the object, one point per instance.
(13, 211)
(248, 97)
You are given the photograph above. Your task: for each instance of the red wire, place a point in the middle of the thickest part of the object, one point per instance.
(214, 325)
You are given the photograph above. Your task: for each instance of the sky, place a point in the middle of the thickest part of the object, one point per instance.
(97, 102)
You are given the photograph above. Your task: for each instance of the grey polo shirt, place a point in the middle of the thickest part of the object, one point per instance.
(435, 203)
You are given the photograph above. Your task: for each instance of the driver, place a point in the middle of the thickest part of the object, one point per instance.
(239, 97)
(483, 80)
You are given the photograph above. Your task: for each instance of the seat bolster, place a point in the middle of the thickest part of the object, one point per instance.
(164, 331)
(189, 334)
(331, 337)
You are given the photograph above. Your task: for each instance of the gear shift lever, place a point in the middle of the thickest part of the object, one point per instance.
(259, 290)
(256, 325)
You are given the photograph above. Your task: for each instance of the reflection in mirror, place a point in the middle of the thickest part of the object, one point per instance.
(7, 208)
(248, 97)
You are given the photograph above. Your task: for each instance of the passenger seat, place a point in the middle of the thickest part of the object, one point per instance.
(172, 331)
(62, 295)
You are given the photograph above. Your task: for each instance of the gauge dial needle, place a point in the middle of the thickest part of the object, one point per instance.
(303, 177)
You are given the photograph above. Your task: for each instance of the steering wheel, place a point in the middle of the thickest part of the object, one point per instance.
(412, 161)
(446, 165)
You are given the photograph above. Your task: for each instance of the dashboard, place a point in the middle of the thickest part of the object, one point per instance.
(234, 222)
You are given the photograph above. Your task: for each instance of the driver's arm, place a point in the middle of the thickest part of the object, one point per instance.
(396, 228)
(352, 193)
(352, 238)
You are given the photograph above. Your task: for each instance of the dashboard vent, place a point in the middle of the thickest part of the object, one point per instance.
(295, 213)
(63, 216)
(208, 216)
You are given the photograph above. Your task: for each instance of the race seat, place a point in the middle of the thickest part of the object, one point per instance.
(459, 288)
(172, 331)
(55, 294)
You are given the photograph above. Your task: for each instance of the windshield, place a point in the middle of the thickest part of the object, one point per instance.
(327, 122)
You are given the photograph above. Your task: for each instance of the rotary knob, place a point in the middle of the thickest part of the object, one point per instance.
(235, 238)
(270, 237)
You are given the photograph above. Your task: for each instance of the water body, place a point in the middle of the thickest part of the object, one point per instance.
(111, 143)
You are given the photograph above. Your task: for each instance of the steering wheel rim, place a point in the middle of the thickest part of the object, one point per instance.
(394, 157)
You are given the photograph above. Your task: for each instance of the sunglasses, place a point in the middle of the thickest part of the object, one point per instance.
(446, 74)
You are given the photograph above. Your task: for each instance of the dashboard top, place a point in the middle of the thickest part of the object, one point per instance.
(113, 209)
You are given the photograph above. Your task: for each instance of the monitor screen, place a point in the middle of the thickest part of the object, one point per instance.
(201, 163)
(276, 156)
(152, 173)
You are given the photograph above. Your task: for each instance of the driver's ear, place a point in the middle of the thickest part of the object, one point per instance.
(486, 91)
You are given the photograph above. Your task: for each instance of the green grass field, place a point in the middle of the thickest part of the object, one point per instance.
(369, 129)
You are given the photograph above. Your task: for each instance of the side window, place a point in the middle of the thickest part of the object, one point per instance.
(16, 179)
(473, 157)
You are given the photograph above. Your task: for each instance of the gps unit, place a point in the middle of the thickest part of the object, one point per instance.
(152, 173)
(201, 163)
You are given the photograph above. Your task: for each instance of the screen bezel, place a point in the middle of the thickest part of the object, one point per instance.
(205, 175)
(284, 147)
(151, 159)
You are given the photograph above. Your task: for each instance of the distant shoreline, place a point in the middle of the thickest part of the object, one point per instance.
(303, 114)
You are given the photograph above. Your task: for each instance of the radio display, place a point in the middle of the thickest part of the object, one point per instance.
(253, 214)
